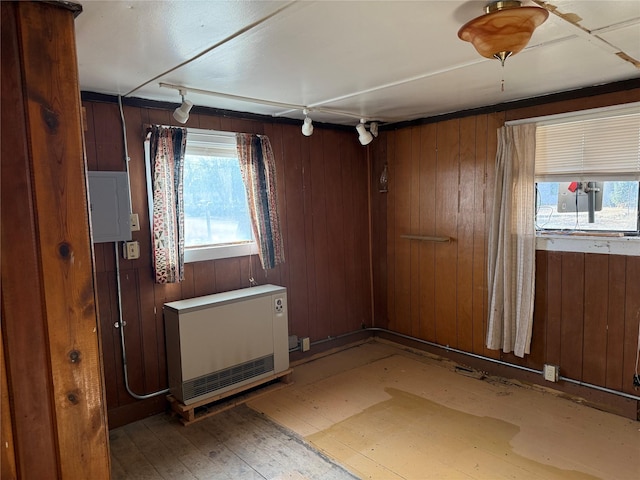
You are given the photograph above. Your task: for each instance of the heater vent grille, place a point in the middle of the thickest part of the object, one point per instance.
(224, 378)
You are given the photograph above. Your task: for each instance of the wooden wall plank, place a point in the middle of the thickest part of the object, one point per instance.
(362, 236)
(616, 291)
(401, 320)
(631, 324)
(465, 229)
(309, 238)
(554, 308)
(296, 252)
(349, 227)
(228, 275)
(414, 218)
(90, 152)
(319, 329)
(427, 279)
(204, 278)
(596, 302)
(110, 347)
(480, 233)
(446, 185)
(378, 220)
(335, 229)
(536, 358)
(394, 184)
(572, 326)
(135, 331)
(109, 144)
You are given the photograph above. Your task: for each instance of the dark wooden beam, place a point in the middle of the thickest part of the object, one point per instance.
(50, 328)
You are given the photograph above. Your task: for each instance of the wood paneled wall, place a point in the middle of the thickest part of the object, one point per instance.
(441, 178)
(322, 186)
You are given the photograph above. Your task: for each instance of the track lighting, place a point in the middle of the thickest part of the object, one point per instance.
(307, 125)
(373, 128)
(181, 114)
(364, 136)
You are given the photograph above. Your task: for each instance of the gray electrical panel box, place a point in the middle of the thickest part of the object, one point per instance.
(109, 206)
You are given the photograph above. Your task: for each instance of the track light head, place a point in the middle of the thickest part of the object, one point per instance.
(373, 128)
(307, 125)
(181, 114)
(364, 136)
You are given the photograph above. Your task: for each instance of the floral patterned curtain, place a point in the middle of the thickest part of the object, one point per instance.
(167, 147)
(258, 168)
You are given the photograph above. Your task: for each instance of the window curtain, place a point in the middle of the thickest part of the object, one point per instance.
(512, 242)
(167, 147)
(258, 168)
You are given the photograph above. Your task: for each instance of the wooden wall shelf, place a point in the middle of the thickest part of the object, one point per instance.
(425, 238)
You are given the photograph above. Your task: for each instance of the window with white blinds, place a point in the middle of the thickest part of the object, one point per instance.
(590, 147)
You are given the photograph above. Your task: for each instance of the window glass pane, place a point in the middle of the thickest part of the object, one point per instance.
(566, 206)
(215, 202)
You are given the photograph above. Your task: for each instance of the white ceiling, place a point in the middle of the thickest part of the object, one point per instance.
(379, 60)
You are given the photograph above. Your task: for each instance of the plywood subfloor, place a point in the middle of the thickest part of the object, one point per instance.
(385, 412)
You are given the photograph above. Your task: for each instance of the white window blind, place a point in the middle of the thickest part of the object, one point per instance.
(211, 143)
(585, 149)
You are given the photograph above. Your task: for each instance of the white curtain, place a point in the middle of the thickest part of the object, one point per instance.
(512, 242)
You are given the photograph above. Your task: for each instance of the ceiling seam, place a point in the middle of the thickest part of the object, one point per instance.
(387, 85)
(589, 35)
(214, 46)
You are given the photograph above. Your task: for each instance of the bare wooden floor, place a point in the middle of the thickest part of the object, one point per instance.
(384, 412)
(235, 444)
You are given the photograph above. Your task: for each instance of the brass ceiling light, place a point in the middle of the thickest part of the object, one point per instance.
(504, 30)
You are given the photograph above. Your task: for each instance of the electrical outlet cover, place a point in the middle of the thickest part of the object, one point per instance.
(551, 373)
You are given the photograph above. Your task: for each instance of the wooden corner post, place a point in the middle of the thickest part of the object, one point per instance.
(56, 401)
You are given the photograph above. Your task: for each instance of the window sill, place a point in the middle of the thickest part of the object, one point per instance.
(629, 246)
(219, 252)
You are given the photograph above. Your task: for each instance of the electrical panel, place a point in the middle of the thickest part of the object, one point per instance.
(109, 206)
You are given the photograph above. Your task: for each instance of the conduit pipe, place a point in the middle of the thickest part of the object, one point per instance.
(474, 355)
(120, 326)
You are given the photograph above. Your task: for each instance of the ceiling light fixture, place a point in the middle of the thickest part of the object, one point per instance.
(364, 136)
(307, 125)
(181, 114)
(373, 128)
(504, 30)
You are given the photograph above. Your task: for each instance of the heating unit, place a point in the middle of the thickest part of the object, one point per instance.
(220, 342)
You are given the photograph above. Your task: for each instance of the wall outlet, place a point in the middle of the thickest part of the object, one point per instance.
(134, 222)
(551, 372)
(305, 344)
(131, 250)
(278, 304)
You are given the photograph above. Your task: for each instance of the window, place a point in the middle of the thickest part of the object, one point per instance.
(601, 206)
(588, 172)
(216, 214)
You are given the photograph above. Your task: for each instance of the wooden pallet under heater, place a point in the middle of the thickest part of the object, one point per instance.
(224, 401)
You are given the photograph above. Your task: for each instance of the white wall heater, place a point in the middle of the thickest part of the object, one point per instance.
(220, 342)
